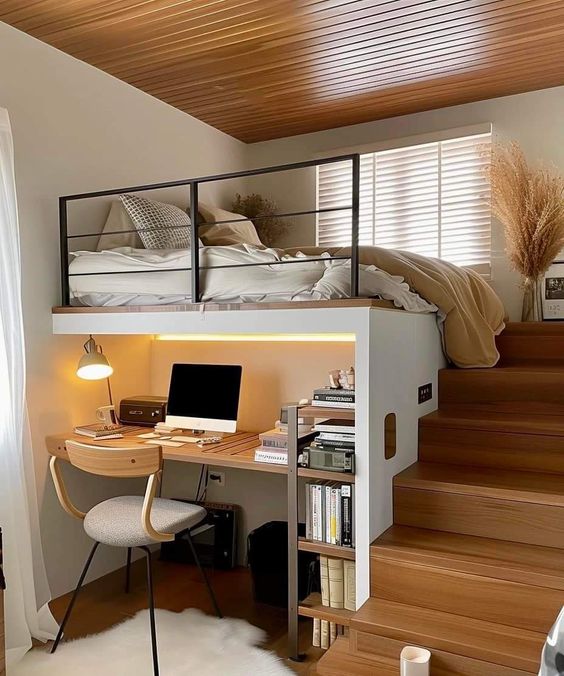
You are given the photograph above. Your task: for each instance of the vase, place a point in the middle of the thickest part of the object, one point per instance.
(532, 300)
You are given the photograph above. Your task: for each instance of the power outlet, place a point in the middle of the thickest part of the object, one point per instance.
(425, 392)
(218, 478)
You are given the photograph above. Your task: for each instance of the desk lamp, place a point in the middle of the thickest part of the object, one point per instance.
(94, 365)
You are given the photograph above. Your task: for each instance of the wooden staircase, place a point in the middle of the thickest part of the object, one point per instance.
(473, 567)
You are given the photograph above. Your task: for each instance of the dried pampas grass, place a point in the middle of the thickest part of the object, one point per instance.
(529, 202)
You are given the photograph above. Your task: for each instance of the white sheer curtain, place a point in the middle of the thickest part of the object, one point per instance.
(26, 612)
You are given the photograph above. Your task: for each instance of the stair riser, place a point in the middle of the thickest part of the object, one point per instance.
(483, 598)
(537, 348)
(383, 649)
(480, 516)
(487, 389)
(484, 448)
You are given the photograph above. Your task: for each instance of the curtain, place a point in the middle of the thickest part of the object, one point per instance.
(26, 611)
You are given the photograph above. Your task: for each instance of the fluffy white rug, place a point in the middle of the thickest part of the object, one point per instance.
(190, 644)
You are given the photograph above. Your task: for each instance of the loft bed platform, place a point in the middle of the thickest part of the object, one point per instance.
(185, 282)
(346, 318)
(222, 307)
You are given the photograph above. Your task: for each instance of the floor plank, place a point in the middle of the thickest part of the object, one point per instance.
(103, 603)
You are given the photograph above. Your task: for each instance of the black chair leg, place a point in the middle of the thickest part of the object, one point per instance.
(152, 611)
(128, 571)
(74, 597)
(203, 573)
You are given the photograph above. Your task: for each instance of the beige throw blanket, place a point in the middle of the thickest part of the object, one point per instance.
(474, 314)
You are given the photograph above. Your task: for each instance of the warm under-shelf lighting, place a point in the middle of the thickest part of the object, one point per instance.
(260, 337)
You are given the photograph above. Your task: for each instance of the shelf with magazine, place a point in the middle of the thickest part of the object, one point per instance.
(324, 499)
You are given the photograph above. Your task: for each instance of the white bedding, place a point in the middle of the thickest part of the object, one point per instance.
(160, 276)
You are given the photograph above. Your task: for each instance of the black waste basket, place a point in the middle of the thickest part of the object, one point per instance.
(267, 553)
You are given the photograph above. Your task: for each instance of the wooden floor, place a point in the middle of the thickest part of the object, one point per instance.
(103, 603)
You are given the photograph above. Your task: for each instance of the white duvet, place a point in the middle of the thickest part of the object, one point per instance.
(162, 276)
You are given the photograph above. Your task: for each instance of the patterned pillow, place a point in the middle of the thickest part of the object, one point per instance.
(150, 217)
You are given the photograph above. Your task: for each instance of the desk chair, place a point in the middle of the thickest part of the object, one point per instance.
(129, 521)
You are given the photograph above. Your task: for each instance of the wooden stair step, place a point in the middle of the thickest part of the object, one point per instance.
(519, 388)
(462, 584)
(512, 561)
(463, 418)
(381, 628)
(338, 661)
(534, 487)
(523, 507)
(531, 341)
(502, 440)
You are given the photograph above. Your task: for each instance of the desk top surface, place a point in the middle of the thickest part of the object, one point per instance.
(235, 450)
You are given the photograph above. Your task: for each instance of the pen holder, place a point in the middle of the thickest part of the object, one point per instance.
(415, 661)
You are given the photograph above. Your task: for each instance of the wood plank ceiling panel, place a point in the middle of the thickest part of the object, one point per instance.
(262, 69)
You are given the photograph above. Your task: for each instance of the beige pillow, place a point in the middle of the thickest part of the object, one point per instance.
(223, 234)
(118, 220)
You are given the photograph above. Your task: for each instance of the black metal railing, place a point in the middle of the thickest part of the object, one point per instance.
(194, 184)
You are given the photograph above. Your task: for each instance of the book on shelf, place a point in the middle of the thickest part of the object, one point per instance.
(328, 394)
(329, 513)
(324, 579)
(271, 456)
(333, 404)
(336, 583)
(335, 439)
(324, 634)
(349, 581)
(335, 425)
(101, 431)
(277, 439)
(316, 640)
(332, 632)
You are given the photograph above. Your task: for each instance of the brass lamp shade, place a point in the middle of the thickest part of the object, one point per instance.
(93, 365)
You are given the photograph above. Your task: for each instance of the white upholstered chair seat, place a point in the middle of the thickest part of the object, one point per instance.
(117, 521)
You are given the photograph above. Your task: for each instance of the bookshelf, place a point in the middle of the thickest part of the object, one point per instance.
(325, 548)
(325, 475)
(312, 605)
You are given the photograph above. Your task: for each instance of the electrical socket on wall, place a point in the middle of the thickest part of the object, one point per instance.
(425, 393)
(218, 478)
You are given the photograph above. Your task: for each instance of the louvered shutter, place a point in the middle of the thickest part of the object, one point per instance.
(431, 199)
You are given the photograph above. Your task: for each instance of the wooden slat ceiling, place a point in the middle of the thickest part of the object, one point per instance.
(262, 69)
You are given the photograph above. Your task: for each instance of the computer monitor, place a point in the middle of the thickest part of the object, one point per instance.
(204, 397)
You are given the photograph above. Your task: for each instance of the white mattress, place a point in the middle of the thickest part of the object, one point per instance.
(157, 277)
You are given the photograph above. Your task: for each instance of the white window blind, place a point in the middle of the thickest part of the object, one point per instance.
(430, 199)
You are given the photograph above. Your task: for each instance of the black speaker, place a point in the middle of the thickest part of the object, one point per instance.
(215, 539)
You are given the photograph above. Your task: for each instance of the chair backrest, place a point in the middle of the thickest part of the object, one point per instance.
(124, 462)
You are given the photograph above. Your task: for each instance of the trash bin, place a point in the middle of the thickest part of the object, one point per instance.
(267, 555)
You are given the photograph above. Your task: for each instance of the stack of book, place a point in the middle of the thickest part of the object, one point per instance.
(329, 397)
(274, 444)
(329, 513)
(102, 431)
(338, 590)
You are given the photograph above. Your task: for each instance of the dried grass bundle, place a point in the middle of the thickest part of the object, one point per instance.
(260, 210)
(529, 202)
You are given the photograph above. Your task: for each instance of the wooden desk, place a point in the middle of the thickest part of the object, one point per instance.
(236, 450)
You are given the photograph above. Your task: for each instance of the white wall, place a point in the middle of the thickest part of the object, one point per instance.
(273, 374)
(77, 129)
(534, 119)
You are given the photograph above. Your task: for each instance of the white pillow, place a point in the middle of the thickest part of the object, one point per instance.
(118, 220)
(150, 217)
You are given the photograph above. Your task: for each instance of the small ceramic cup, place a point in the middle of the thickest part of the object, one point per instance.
(415, 661)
